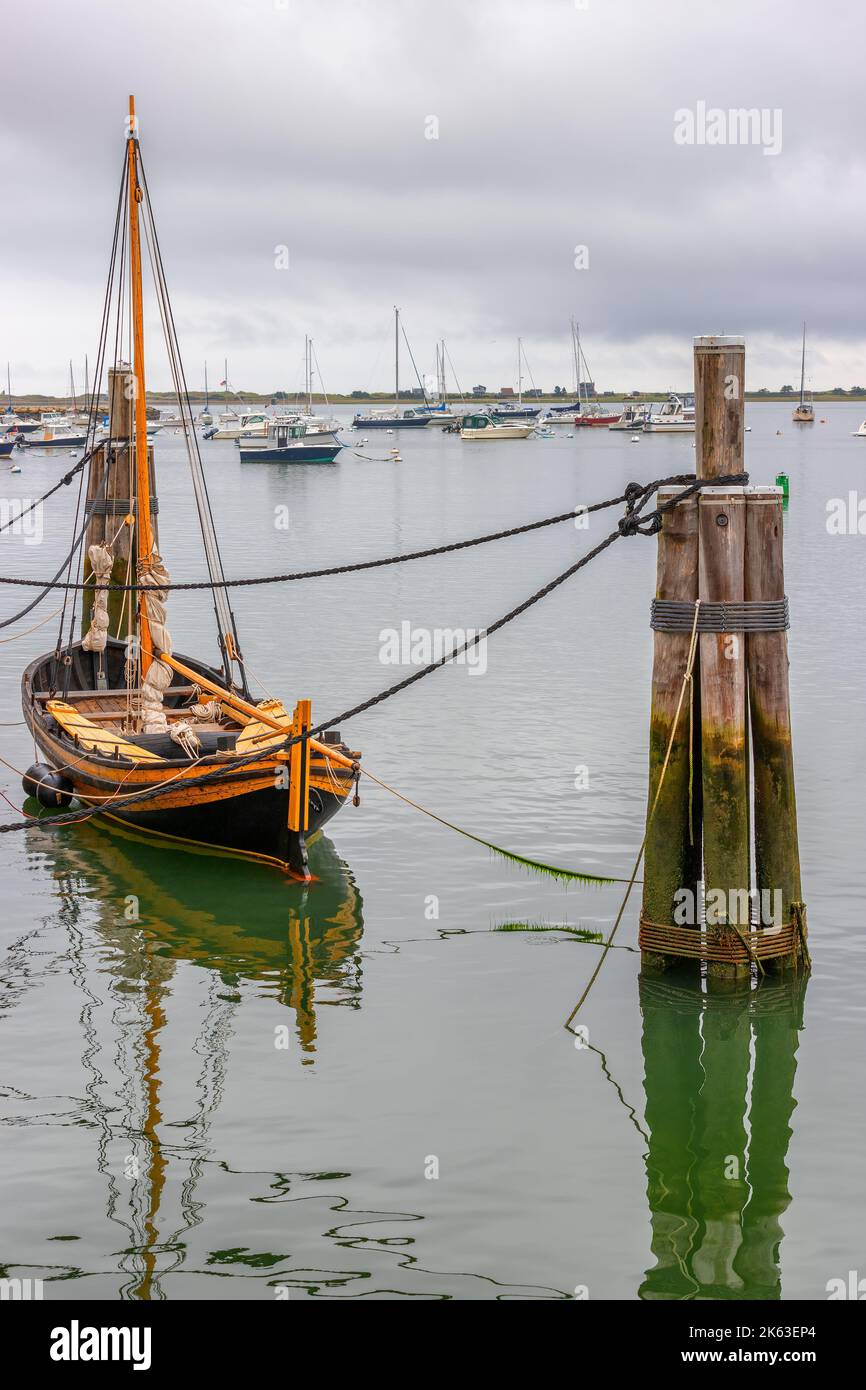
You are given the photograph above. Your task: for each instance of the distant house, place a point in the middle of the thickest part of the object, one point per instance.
(479, 390)
(506, 391)
(534, 391)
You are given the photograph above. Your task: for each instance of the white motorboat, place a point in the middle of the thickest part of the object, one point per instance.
(483, 427)
(287, 441)
(634, 417)
(316, 427)
(246, 425)
(677, 416)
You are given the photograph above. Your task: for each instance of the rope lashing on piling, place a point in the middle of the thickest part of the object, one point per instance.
(636, 497)
(687, 680)
(675, 615)
(725, 942)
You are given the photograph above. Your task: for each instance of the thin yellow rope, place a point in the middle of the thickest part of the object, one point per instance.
(687, 678)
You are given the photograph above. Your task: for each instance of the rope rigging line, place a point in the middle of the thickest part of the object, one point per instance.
(115, 267)
(630, 524)
(64, 564)
(687, 683)
(227, 631)
(551, 870)
(64, 482)
(412, 360)
(633, 523)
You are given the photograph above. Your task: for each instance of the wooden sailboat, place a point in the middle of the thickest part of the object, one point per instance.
(804, 412)
(121, 720)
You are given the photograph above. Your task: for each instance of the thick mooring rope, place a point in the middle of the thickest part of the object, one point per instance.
(64, 482)
(632, 523)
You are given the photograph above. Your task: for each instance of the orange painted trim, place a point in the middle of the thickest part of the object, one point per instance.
(142, 476)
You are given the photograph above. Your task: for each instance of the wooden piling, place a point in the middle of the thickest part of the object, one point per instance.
(112, 499)
(777, 858)
(719, 436)
(726, 548)
(673, 845)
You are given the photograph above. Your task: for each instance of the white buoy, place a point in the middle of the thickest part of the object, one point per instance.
(635, 439)
(16, 468)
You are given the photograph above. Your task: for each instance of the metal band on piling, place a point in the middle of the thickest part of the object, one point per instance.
(670, 615)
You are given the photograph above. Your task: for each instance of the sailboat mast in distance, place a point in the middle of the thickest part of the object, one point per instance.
(803, 365)
(805, 410)
(396, 354)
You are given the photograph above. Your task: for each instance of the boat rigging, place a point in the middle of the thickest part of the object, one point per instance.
(115, 710)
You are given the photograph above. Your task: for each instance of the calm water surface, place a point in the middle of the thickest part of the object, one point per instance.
(159, 1142)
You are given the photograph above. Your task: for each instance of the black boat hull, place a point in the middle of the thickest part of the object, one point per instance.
(245, 811)
(77, 442)
(292, 453)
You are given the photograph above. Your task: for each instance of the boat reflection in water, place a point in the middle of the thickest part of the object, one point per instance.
(719, 1080)
(158, 910)
(159, 906)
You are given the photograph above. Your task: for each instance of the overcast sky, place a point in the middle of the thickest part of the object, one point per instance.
(305, 124)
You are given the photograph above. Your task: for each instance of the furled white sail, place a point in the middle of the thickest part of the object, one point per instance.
(101, 560)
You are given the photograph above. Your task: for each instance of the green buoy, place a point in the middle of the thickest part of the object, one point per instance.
(783, 483)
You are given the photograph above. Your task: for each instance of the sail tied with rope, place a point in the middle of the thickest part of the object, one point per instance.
(101, 561)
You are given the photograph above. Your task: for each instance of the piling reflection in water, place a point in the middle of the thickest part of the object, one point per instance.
(719, 1079)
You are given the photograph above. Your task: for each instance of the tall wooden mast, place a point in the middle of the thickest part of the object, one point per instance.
(142, 472)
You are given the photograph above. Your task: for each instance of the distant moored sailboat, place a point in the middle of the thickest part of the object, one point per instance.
(804, 412)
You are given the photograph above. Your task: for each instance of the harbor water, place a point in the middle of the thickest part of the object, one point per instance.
(216, 1083)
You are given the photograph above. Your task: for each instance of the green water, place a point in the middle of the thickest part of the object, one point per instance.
(215, 1083)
